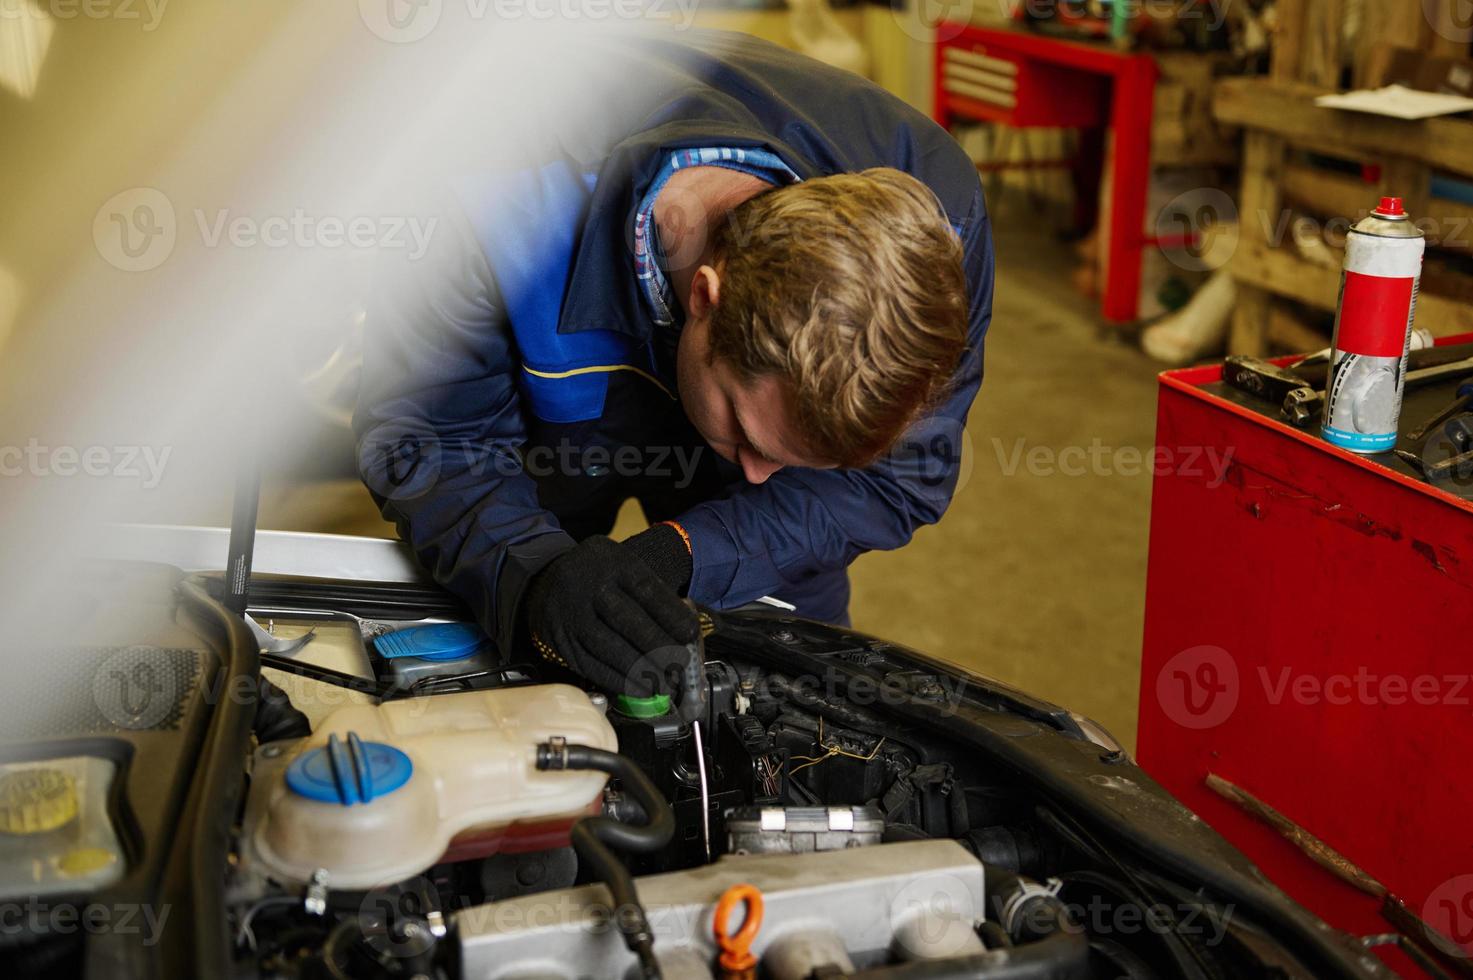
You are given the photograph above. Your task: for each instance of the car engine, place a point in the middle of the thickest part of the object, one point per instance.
(351, 782)
(453, 819)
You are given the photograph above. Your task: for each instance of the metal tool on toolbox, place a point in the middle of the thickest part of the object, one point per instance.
(1459, 430)
(1461, 403)
(1266, 380)
(1261, 379)
(1438, 956)
(1301, 401)
(1442, 372)
(1302, 406)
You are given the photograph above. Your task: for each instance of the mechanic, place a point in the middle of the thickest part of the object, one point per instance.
(757, 305)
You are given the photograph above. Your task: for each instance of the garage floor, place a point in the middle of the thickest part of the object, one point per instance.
(1036, 576)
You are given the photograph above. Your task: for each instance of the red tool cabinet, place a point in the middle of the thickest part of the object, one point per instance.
(1021, 79)
(1309, 637)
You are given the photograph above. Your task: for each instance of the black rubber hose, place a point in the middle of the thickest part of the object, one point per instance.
(1025, 910)
(218, 788)
(1016, 849)
(594, 837)
(646, 839)
(1054, 958)
(1045, 944)
(276, 716)
(994, 935)
(838, 712)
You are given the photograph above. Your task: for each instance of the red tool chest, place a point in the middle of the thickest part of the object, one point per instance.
(1309, 622)
(1021, 79)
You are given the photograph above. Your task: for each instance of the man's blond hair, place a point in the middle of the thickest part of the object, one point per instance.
(849, 288)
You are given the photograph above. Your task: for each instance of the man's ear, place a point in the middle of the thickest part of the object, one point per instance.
(705, 291)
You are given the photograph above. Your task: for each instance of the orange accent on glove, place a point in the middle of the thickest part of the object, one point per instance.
(684, 535)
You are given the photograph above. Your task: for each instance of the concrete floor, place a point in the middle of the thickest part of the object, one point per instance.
(1036, 576)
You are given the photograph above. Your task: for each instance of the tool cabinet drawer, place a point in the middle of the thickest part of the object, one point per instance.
(1011, 87)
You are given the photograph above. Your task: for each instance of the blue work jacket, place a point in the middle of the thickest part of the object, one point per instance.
(516, 389)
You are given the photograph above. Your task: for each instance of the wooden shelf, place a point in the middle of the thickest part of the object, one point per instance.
(1280, 272)
(1279, 114)
(1183, 131)
(1287, 109)
(1328, 194)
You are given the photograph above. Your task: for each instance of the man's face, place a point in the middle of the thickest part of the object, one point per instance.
(746, 422)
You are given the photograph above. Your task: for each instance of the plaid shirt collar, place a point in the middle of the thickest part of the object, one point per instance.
(648, 256)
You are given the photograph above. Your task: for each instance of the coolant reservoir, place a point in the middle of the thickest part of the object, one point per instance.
(379, 793)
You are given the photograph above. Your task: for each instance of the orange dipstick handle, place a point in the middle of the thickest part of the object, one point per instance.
(736, 959)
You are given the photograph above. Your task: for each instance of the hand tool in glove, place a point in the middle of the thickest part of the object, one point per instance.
(604, 613)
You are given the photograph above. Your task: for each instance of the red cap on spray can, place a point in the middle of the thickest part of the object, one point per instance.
(1392, 207)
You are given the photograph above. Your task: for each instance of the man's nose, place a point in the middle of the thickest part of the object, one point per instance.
(756, 468)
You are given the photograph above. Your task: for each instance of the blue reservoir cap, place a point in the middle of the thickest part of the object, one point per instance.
(353, 773)
(436, 641)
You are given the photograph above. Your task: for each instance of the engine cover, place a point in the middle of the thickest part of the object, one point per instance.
(918, 900)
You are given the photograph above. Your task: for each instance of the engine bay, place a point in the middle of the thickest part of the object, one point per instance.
(854, 837)
(396, 800)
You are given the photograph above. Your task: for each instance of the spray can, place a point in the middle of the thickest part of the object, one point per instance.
(1373, 329)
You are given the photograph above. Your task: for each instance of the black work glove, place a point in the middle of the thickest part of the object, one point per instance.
(603, 613)
(664, 550)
